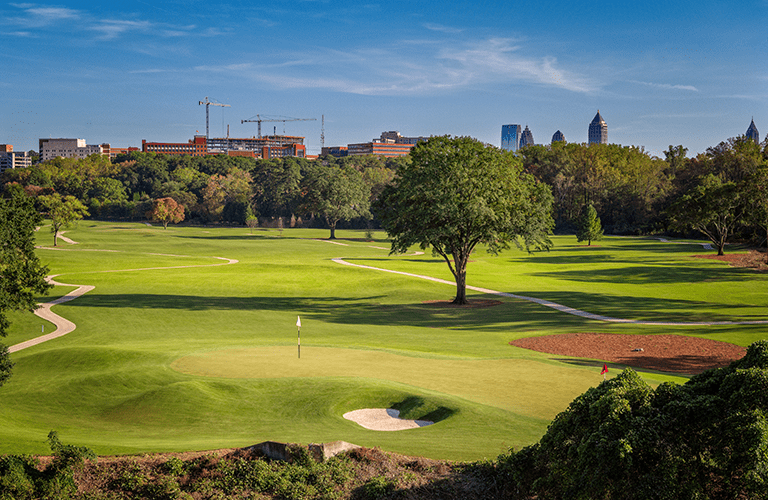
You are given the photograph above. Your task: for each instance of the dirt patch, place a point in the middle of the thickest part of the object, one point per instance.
(667, 353)
(473, 304)
(755, 259)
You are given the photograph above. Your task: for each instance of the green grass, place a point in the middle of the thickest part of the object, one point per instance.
(205, 357)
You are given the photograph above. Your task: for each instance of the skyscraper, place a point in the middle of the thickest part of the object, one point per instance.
(598, 130)
(558, 136)
(510, 137)
(752, 132)
(526, 139)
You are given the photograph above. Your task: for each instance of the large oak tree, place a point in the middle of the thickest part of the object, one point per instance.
(22, 276)
(457, 193)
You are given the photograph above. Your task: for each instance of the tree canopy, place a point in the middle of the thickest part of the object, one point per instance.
(589, 228)
(62, 210)
(165, 210)
(336, 193)
(22, 276)
(457, 193)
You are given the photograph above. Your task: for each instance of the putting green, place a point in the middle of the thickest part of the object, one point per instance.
(508, 384)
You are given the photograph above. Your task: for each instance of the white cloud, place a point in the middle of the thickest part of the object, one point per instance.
(38, 17)
(428, 68)
(443, 29)
(111, 29)
(666, 86)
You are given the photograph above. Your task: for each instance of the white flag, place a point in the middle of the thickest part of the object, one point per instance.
(298, 321)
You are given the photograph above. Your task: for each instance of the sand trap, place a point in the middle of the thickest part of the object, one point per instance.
(382, 419)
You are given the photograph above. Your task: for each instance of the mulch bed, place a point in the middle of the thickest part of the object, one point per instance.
(667, 353)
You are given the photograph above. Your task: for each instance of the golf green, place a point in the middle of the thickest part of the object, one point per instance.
(508, 384)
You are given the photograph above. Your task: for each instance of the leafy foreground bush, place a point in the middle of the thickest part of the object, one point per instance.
(706, 439)
(359, 475)
(622, 440)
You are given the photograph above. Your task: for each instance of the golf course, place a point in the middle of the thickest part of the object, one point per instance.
(188, 340)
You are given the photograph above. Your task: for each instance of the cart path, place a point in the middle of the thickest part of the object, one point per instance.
(559, 307)
(65, 326)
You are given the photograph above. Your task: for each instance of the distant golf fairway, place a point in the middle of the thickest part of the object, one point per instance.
(170, 358)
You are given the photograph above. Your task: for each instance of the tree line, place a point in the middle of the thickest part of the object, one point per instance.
(214, 188)
(720, 194)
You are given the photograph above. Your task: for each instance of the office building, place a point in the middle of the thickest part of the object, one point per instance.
(224, 144)
(13, 159)
(395, 136)
(558, 137)
(388, 148)
(337, 151)
(69, 148)
(195, 147)
(598, 130)
(526, 138)
(752, 132)
(263, 147)
(510, 137)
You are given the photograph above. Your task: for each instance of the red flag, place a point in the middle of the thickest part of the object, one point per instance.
(605, 369)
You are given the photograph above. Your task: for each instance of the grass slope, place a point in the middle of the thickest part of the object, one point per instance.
(185, 358)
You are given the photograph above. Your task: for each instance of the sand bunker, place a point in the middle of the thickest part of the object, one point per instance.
(382, 419)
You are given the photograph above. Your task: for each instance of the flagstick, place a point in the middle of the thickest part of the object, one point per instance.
(298, 340)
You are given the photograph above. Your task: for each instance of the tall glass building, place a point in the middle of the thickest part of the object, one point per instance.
(752, 132)
(510, 137)
(526, 139)
(598, 130)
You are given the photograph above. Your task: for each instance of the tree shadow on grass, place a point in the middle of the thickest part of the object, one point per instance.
(345, 311)
(642, 275)
(650, 309)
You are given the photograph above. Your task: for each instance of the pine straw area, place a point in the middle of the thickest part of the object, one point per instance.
(667, 353)
(755, 259)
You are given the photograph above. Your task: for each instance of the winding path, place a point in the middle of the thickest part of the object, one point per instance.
(559, 307)
(65, 326)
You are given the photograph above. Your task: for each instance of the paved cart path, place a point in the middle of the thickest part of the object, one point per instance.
(559, 307)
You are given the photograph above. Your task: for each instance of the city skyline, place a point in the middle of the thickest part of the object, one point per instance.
(661, 73)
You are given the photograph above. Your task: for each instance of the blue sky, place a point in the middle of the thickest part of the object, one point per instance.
(661, 73)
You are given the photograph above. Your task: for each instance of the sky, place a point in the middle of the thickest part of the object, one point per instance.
(661, 73)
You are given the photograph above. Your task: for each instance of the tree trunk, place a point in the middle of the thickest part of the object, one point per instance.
(333, 231)
(461, 286)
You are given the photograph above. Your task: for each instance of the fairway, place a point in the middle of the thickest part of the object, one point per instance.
(188, 339)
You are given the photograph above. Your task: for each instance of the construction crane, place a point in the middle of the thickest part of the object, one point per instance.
(283, 119)
(207, 104)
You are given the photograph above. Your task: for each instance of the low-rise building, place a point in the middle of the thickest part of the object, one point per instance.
(395, 136)
(69, 148)
(337, 151)
(388, 149)
(194, 147)
(13, 159)
(264, 147)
